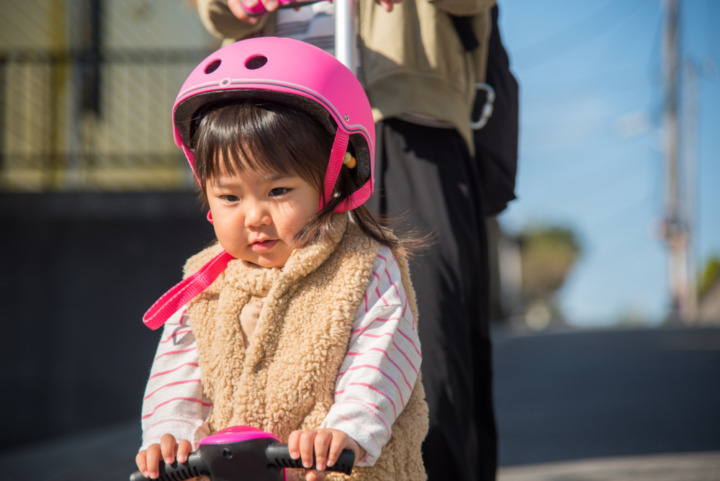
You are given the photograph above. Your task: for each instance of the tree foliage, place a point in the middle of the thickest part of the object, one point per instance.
(548, 254)
(709, 275)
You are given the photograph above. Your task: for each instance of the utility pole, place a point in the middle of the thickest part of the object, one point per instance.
(689, 156)
(675, 222)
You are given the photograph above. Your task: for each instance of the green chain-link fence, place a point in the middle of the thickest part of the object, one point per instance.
(86, 88)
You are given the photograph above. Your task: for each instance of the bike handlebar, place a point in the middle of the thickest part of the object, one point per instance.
(254, 457)
(279, 456)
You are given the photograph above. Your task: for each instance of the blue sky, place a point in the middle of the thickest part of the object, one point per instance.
(591, 142)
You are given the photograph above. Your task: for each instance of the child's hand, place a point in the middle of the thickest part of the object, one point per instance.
(327, 445)
(148, 461)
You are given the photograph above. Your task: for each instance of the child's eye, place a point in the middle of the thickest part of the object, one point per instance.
(279, 191)
(229, 198)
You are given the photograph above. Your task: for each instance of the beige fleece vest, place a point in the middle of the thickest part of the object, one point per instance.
(284, 378)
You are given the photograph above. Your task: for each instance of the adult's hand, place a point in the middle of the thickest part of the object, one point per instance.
(388, 4)
(236, 7)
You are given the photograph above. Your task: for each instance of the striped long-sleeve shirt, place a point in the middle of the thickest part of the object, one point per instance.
(375, 379)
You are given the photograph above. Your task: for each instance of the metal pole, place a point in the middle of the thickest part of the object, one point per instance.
(345, 39)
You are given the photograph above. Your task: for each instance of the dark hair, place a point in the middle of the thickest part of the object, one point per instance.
(269, 136)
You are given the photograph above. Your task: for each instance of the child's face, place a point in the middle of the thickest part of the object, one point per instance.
(257, 214)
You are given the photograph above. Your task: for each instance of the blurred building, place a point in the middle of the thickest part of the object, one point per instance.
(86, 92)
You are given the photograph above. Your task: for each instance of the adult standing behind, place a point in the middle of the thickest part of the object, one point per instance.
(420, 82)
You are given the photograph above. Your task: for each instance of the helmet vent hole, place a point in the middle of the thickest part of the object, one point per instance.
(212, 66)
(255, 62)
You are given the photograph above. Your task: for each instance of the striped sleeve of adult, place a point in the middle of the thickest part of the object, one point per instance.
(381, 366)
(174, 402)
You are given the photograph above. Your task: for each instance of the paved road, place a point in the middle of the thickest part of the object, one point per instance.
(610, 405)
(657, 467)
(586, 406)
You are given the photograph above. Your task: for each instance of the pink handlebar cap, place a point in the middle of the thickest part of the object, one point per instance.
(291, 72)
(236, 434)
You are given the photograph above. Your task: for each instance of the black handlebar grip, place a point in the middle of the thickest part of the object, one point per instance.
(278, 455)
(193, 467)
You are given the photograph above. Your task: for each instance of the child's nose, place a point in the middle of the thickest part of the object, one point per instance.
(256, 214)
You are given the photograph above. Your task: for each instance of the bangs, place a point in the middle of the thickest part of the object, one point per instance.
(261, 136)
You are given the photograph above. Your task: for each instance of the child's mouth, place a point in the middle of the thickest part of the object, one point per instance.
(263, 246)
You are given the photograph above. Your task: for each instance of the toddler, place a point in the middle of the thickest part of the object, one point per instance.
(301, 320)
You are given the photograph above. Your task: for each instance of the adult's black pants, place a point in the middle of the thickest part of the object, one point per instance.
(426, 181)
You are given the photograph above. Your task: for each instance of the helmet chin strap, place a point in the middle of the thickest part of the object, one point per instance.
(185, 291)
(337, 154)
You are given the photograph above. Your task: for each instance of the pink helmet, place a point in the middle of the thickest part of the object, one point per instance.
(290, 72)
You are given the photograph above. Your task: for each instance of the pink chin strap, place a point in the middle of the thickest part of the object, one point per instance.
(335, 163)
(185, 291)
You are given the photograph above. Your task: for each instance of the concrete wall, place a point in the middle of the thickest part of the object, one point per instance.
(77, 272)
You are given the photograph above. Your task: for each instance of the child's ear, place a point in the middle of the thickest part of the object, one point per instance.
(209, 216)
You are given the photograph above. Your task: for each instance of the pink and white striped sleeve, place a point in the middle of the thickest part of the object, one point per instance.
(381, 366)
(174, 402)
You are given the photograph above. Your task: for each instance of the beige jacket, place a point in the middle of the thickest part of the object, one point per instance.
(413, 61)
(285, 378)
